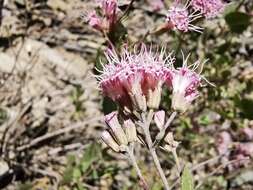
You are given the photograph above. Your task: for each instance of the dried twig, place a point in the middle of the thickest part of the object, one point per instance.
(217, 169)
(58, 132)
(10, 128)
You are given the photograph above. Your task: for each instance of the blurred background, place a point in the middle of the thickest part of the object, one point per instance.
(51, 111)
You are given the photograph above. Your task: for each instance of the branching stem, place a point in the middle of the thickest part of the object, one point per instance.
(146, 124)
(162, 134)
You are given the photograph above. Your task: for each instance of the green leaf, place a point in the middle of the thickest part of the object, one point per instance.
(76, 173)
(157, 186)
(80, 186)
(204, 120)
(67, 175)
(91, 154)
(118, 34)
(246, 107)
(187, 180)
(237, 21)
(3, 116)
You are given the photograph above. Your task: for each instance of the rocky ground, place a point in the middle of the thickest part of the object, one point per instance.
(51, 107)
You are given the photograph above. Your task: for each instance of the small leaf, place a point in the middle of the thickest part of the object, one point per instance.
(237, 21)
(108, 105)
(187, 180)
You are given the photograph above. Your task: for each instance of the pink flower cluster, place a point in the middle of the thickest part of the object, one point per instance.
(209, 8)
(135, 80)
(184, 83)
(180, 18)
(109, 11)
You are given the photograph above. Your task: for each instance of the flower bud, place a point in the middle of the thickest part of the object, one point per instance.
(108, 139)
(159, 118)
(113, 122)
(94, 20)
(139, 100)
(154, 96)
(130, 130)
(169, 139)
(179, 102)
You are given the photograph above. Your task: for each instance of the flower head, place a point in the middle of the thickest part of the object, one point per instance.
(131, 78)
(180, 18)
(109, 8)
(94, 20)
(185, 82)
(107, 15)
(209, 8)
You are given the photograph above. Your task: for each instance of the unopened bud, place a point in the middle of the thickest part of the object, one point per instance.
(168, 148)
(159, 118)
(108, 139)
(154, 96)
(130, 130)
(113, 122)
(169, 139)
(179, 102)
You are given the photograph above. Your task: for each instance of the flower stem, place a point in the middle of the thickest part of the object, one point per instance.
(146, 124)
(162, 134)
(130, 152)
(159, 168)
(174, 153)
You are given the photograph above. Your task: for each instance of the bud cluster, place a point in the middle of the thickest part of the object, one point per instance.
(118, 136)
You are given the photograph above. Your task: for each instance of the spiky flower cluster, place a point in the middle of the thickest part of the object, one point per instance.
(181, 17)
(135, 80)
(185, 82)
(109, 12)
(209, 8)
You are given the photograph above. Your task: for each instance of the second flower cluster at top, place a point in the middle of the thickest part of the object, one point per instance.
(135, 79)
(181, 16)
